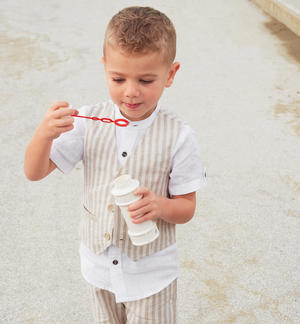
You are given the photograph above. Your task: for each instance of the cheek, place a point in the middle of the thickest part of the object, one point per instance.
(113, 90)
(156, 91)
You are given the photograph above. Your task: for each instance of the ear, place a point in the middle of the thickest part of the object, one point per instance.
(102, 59)
(174, 68)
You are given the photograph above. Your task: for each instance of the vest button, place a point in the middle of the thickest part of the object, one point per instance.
(110, 208)
(115, 262)
(124, 154)
(107, 236)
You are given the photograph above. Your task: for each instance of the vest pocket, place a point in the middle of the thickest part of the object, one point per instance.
(87, 214)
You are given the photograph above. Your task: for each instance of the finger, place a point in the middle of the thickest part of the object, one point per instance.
(64, 112)
(58, 104)
(143, 218)
(62, 122)
(65, 128)
(142, 191)
(140, 212)
(138, 204)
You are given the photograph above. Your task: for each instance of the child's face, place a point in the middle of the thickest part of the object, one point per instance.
(136, 81)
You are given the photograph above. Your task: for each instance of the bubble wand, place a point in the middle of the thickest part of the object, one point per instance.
(119, 122)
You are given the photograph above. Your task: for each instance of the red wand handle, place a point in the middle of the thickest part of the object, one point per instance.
(118, 122)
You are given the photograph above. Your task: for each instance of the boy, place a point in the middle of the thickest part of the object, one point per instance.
(128, 283)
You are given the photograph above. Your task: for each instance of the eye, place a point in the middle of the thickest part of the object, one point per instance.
(146, 81)
(118, 80)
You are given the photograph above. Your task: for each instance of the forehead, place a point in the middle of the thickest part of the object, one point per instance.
(117, 60)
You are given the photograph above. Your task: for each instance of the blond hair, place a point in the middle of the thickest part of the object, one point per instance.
(141, 30)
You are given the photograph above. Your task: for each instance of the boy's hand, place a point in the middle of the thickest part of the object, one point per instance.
(148, 207)
(176, 210)
(56, 121)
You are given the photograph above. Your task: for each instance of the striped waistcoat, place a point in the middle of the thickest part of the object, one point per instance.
(102, 223)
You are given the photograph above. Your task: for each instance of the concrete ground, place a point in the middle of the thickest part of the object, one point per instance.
(238, 87)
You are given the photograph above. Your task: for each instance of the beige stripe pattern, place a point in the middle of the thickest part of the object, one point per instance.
(102, 223)
(160, 308)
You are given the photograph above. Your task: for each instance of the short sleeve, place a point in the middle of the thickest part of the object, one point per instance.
(67, 150)
(187, 172)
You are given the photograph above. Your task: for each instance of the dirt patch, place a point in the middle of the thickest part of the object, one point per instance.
(20, 54)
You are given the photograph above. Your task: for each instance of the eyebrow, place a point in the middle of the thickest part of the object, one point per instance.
(148, 75)
(151, 75)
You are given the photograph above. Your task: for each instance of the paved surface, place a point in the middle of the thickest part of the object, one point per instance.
(238, 87)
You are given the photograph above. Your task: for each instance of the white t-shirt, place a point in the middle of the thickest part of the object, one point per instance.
(132, 280)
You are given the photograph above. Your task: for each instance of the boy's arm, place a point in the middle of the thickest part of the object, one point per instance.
(37, 163)
(176, 210)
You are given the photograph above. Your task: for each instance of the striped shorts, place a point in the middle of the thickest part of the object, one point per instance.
(156, 309)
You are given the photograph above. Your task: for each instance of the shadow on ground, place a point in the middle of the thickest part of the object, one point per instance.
(289, 40)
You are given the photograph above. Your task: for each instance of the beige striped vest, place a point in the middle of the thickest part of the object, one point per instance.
(102, 223)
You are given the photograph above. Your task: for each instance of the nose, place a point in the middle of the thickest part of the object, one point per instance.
(131, 90)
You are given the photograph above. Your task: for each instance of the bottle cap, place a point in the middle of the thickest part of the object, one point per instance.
(124, 185)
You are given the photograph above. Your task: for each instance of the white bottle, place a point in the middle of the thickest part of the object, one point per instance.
(123, 192)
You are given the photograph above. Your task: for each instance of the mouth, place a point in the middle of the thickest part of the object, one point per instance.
(132, 105)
